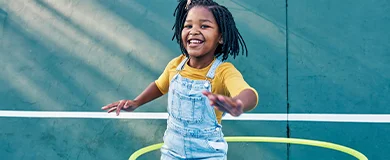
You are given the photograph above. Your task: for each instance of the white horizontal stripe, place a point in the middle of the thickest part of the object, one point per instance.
(362, 118)
(372, 118)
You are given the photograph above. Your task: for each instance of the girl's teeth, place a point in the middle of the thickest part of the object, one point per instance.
(195, 41)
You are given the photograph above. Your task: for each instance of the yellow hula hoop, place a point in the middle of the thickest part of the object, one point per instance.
(308, 142)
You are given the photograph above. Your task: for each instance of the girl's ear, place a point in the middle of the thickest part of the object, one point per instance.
(220, 40)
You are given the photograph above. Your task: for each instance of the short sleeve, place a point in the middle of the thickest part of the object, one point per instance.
(234, 81)
(162, 82)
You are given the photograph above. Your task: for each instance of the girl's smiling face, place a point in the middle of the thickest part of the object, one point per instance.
(200, 35)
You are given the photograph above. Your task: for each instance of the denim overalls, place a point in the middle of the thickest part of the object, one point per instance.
(193, 131)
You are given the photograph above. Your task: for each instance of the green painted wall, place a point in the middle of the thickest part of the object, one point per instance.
(331, 57)
(338, 63)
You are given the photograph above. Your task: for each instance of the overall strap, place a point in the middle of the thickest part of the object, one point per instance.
(211, 73)
(181, 65)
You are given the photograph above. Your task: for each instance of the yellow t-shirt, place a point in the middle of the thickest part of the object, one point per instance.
(227, 81)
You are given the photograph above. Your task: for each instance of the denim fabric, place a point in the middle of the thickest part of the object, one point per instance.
(192, 130)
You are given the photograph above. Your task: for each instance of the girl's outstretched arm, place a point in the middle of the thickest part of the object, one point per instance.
(150, 93)
(248, 98)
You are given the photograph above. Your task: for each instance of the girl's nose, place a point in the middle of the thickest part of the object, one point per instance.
(194, 33)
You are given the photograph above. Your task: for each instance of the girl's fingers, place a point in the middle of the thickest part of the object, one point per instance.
(222, 106)
(118, 106)
(212, 98)
(226, 103)
(209, 95)
(234, 107)
(126, 105)
(118, 109)
(218, 103)
(110, 105)
(212, 103)
(112, 109)
(238, 109)
(206, 93)
(221, 109)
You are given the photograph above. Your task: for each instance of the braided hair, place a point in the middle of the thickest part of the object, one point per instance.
(232, 39)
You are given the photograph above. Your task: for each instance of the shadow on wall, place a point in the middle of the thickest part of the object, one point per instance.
(344, 59)
(57, 59)
(118, 64)
(341, 66)
(3, 17)
(50, 63)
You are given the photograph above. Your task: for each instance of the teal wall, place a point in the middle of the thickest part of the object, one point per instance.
(77, 55)
(339, 62)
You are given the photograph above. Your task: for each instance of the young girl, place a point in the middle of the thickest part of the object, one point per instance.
(200, 86)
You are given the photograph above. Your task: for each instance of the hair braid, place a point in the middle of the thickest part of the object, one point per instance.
(180, 14)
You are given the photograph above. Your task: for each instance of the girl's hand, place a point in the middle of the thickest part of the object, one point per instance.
(235, 107)
(127, 105)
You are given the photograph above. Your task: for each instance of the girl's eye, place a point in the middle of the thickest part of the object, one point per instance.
(204, 26)
(188, 26)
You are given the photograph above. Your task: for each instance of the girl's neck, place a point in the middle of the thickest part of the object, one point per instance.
(200, 62)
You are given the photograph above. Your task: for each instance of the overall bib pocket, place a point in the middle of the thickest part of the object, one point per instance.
(188, 109)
